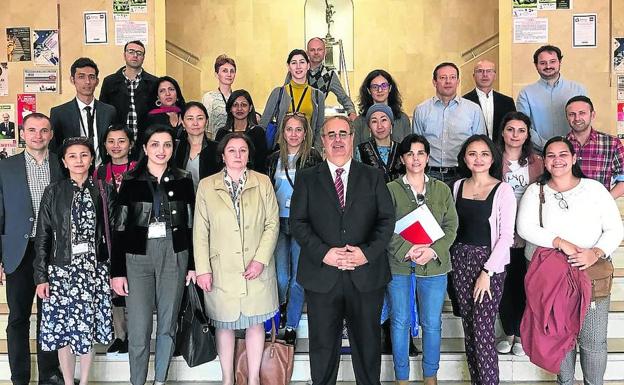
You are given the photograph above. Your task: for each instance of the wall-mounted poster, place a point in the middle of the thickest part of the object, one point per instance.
(4, 79)
(46, 47)
(26, 105)
(584, 30)
(40, 80)
(530, 30)
(121, 9)
(18, 44)
(138, 6)
(95, 28)
(618, 54)
(126, 31)
(620, 120)
(524, 3)
(8, 131)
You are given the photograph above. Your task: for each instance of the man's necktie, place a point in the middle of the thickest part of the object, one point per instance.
(340, 187)
(89, 121)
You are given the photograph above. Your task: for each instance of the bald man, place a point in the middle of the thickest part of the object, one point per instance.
(493, 104)
(7, 128)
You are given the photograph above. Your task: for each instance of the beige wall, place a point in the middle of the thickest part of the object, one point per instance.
(406, 37)
(589, 66)
(42, 14)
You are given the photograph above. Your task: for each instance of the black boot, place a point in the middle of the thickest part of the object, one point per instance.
(386, 340)
(282, 311)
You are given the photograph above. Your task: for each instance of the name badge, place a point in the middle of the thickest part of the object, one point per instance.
(157, 230)
(288, 203)
(80, 248)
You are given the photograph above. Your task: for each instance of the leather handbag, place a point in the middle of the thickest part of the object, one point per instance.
(194, 339)
(600, 273)
(277, 361)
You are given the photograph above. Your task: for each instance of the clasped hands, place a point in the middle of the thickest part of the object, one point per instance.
(345, 258)
(420, 254)
(577, 256)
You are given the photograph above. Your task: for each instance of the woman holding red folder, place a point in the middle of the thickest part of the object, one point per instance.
(430, 262)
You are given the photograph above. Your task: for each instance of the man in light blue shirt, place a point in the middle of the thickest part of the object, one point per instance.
(544, 101)
(447, 120)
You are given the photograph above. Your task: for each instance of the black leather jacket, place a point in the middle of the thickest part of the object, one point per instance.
(53, 241)
(134, 211)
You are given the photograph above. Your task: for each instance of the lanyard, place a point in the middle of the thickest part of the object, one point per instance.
(288, 175)
(292, 99)
(222, 96)
(157, 199)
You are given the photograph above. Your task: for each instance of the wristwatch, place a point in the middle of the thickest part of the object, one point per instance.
(486, 271)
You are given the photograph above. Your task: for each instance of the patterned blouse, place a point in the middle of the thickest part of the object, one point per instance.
(235, 188)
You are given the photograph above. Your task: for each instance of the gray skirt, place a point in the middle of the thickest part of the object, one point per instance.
(243, 321)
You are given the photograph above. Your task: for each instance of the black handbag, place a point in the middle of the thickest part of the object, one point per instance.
(194, 339)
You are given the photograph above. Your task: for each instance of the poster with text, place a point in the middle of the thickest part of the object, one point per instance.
(18, 44)
(620, 120)
(4, 79)
(40, 80)
(564, 4)
(26, 105)
(121, 9)
(126, 31)
(8, 131)
(138, 6)
(618, 54)
(95, 28)
(46, 47)
(547, 5)
(524, 4)
(530, 30)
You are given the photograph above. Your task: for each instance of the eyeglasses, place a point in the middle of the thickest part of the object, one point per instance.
(297, 113)
(481, 71)
(420, 199)
(379, 87)
(135, 52)
(340, 134)
(563, 204)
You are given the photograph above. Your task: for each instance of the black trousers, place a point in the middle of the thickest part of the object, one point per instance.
(20, 290)
(512, 304)
(362, 312)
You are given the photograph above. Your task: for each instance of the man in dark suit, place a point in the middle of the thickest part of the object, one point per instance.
(129, 89)
(343, 218)
(493, 104)
(7, 128)
(83, 115)
(23, 178)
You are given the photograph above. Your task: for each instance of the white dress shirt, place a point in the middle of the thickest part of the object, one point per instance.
(84, 126)
(487, 106)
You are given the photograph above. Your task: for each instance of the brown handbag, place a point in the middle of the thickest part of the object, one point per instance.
(277, 361)
(600, 273)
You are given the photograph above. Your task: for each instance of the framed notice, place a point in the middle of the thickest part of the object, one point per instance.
(95, 28)
(584, 30)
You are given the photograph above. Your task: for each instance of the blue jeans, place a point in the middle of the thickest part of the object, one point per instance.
(430, 292)
(286, 261)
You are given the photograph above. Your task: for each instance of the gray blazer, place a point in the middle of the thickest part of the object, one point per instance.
(318, 115)
(66, 122)
(17, 216)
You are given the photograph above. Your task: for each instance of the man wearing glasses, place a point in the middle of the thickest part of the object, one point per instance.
(83, 115)
(493, 104)
(128, 91)
(342, 216)
(447, 120)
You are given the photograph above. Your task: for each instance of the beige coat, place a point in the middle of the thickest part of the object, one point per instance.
(224, 249)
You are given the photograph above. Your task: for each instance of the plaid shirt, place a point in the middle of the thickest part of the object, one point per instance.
(38, 176)
(601, 157)
(132, 85)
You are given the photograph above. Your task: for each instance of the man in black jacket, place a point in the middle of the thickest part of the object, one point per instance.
(343, 218)
(23, 178)
(128, 91)
(493, 104)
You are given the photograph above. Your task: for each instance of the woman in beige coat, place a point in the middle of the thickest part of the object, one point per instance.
(234, 235)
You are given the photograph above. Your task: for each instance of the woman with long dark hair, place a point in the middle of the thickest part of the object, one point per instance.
(521, 167)
(168, 105)
(581, 219)
(486, 208)
(379, 87)
(152, 251)
(241, 117)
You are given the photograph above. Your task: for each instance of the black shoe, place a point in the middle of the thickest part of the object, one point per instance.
(116, 346)
(282, 311)
(386, 339)
(413, 350)
(290, 336)
(124, 347)
(55, 379)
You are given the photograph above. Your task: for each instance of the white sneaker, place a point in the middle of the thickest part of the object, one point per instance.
(517, 349)
(504, 346)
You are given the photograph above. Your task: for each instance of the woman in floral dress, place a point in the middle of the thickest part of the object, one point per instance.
(72, 264)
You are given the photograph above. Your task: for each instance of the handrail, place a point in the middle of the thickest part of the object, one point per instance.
(472, 50)
(182, 53)
(184, 61)
(479, 55)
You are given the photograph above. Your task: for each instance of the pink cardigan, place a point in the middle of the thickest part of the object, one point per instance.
(502, 221)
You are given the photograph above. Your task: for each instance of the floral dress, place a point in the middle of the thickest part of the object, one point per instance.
(78, 312)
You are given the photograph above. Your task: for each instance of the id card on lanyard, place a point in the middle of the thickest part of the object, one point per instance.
(157, 229)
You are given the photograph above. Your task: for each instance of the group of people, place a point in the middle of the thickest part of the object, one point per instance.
(156, 193)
